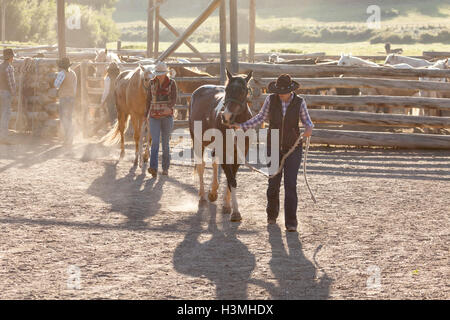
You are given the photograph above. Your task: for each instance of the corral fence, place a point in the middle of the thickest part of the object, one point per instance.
(330, 124)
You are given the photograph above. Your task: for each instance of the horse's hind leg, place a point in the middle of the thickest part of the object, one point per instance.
(122, 119)
(212, 196)
(200, 168)
(137, 125)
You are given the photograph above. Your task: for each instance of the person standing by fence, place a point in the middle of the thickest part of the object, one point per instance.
(66, 83)
(161, 98)
(108, 97)
(7, 90)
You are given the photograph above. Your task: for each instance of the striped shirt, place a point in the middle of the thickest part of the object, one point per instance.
(59, 79)
(264, 113)
(11, 79)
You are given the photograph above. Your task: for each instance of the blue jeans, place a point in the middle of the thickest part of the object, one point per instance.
(66, 105)
(290, 170)
(160, 129)
(5, 115)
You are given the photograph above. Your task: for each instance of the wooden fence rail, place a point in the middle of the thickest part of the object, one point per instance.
(377, 119)
(369, 101)
(355, 82)
(272, 70)
(383, 139)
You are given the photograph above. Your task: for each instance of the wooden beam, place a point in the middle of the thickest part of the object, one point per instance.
(252, 31)
(274, 70)
(61, 16)
(377, 119)
(378, 101)
(223, 41)
(355, 82)
(3, 12)
(150, 14)
(156, 51)
(234, 54)
(177, 34)
(206, 13)
(382, 139)
(436, 54)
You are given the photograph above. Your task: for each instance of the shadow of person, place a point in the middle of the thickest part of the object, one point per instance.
(129, 195)
(295, 274)
(222, 259)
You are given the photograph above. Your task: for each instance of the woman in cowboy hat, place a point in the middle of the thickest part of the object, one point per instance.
(162, 97)
(284, 109)
(66, 84)
(7, 90)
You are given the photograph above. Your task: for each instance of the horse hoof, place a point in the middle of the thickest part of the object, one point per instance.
(212, 197)
(235, 217)
(122, 155)
(226, 210)
(202, 202)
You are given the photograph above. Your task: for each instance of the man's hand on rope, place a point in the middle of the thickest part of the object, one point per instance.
(307, 133)
(234, 126)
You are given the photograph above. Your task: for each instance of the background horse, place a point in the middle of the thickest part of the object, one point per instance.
(131, 102)
(217, 107)
(105, 56)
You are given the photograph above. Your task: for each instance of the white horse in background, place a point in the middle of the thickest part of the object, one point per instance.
(106, 57)
(394, 59)
(350, 61)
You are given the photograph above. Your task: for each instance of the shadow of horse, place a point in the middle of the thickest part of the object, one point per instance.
(129, 195)
(222, 259)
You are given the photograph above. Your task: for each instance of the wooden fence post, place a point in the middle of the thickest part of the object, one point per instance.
(150, 29)
(234, 55)
(252, 31)
(156, 52)
(223, 41)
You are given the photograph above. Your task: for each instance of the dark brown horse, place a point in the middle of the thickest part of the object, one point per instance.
(217, 107)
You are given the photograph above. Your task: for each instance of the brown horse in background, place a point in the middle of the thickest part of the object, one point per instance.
(131, 102)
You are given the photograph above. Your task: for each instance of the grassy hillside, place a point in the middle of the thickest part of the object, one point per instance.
(330, 21)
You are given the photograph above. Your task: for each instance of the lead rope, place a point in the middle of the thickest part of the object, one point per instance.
(283, 160)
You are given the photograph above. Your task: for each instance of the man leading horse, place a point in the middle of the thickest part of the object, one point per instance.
(284, 110)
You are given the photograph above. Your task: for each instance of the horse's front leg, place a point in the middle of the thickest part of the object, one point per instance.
(212, 195)
(230, 173)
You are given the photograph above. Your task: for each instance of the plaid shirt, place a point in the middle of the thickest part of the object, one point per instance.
(59, 79)
(11, 79)
(264, 113)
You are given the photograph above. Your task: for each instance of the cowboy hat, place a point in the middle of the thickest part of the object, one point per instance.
(283, 85)
(8, 53)
(160, 69)
(64, 63)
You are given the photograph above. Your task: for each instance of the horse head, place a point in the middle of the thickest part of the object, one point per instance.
(148, 74)
(236, 92)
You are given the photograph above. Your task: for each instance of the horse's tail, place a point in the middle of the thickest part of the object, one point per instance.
(113, 136)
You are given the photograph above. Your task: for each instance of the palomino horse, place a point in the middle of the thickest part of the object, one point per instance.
(131, 102)
(217, 107)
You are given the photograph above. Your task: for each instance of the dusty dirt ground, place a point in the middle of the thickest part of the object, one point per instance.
(380, 229)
